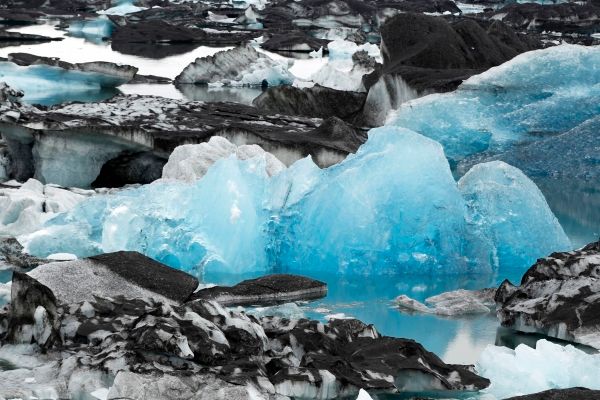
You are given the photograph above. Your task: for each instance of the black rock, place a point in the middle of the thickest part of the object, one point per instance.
(33, 313)
(266, 290)
(150, 79)
(202, 337)
(562, 394)
(317, 101)
(558, 297)
(294, 41)
(566, 18)
(431, 53)
(17, 38)
(158, 39)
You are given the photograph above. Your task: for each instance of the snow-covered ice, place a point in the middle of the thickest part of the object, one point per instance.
(527, 370)
(190, 162)
(241, 66)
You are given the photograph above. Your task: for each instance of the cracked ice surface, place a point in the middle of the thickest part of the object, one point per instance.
(391, 207)
(536, 94)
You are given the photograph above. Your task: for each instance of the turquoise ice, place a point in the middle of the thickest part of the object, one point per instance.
(392, 207)
(535, 95)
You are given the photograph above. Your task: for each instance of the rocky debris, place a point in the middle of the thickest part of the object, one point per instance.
(158, 125)
(11, 251)
(15, 38)
(431, 53)
(150, 79)
(8, 94)
(158, 38)
(457, 302)
(316, 101)
(565, 18)
(114, 74)
(344, 17)
(130, 168)
(557, 297)
(294, 41)
(264, 291)
(123, 273)
(200, 342)
(240, 66)
(562, 394)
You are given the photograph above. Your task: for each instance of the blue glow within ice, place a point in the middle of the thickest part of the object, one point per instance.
(43, 84)
(538, 93)
(96, 28)
(392, 207)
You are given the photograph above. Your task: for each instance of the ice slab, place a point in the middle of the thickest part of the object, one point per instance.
(536, 94)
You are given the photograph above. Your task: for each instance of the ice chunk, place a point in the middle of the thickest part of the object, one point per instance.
(341, 225)
(341, 75)
(344, 49)
(363, 395)
(506, 208)
(122, 8)
(391, 207)
(548, 366)
(241, 66)
(216, 220)
(24, 208)
(536, 93)
(44, 82)
(100, 27)
(458, 302)
(189, 163)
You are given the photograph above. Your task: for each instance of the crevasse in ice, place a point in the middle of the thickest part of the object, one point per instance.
(536, 94)
(391, 207)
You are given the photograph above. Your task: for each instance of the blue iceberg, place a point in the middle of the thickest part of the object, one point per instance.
(52, 84)
(392, 207)
(535, 95)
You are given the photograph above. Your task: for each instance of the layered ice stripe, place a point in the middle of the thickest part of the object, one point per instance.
(536, 94)
(392, 207)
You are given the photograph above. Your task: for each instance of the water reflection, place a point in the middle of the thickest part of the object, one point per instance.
(370, 299)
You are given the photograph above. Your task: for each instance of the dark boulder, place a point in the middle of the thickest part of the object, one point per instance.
(294, 41)
(317, 101)
(124, 273)
(568, 17)
(33, 313)
(434, 54)
(266, 290)
(12, 252)
(558, 297)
